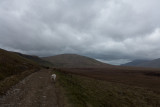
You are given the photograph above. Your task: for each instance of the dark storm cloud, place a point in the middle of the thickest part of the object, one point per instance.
(104, 29)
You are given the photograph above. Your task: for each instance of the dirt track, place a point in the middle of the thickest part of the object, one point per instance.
(36, 90)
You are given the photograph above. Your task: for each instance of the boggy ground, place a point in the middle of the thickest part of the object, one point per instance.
(36, 90)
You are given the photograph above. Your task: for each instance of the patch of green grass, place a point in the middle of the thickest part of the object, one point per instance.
(88, 92)
(74, 91)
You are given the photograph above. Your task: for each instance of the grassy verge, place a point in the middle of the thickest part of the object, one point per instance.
(88, 92)
(8, 82)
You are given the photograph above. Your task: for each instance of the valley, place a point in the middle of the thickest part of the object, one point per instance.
(81, 82)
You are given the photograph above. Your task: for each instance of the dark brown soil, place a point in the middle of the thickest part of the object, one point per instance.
(36, 90)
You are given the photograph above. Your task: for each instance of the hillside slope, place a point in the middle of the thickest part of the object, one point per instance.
(12, 64)
(74, 61)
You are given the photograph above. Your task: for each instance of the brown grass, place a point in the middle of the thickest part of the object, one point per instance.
(82, 91)
(140, 77)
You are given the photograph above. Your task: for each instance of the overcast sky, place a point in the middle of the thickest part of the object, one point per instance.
(114, 31)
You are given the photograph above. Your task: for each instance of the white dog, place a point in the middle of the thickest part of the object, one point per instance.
(53, 77)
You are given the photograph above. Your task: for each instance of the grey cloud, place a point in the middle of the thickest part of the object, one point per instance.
(106, 30)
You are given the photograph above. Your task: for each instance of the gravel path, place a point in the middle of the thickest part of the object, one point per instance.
(36, 90)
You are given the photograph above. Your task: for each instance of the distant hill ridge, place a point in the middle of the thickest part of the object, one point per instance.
(74, 61)
(135, 62)
(144, 63)
(153, 63)
(36, 59)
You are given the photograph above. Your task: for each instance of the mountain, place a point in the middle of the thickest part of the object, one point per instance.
(74, 61)
(12, 64)
(153, 63)
(135, 62)
(145, 63)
